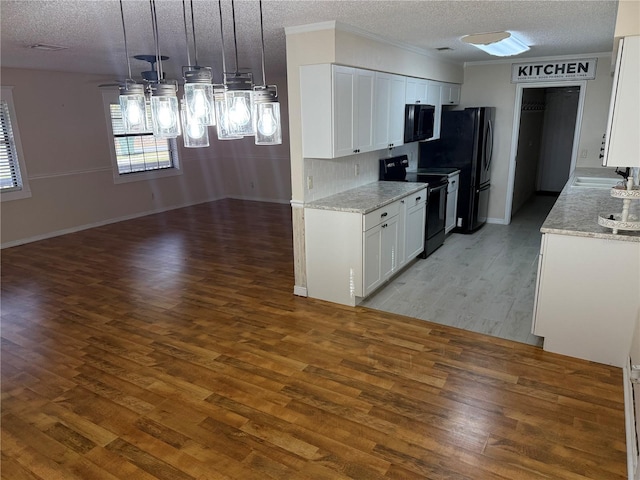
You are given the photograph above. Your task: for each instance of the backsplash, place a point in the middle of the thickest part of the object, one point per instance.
(330, 176)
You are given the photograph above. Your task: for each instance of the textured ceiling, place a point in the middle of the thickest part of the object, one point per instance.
(93, 31)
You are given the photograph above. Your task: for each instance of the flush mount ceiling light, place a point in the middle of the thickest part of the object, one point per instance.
(47, 47)
(500, 44)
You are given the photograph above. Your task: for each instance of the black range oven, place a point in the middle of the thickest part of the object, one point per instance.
(395, 169)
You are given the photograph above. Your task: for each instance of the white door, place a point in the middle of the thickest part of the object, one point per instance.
(381, 110)
(364, 110)
(344, 116)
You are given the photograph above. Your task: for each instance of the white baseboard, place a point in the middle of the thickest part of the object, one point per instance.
(101, 223)
(300, 291)
(497, 221)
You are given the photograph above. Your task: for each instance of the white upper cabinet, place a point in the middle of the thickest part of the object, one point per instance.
(434, 98)
(416, 90)
(336, 110)
(622, 147)
(388, 112)
(449, 94)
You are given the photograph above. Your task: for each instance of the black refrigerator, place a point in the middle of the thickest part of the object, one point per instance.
(466, 143)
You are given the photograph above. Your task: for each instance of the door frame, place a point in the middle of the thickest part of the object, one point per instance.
(515, 134)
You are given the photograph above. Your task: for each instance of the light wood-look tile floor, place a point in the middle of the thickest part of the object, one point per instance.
(171, 347)
(483, 282)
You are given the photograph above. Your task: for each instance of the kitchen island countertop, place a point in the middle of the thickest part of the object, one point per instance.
(577, 208)
(366, 198)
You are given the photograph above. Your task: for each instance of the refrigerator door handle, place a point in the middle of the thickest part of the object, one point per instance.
(488, 150)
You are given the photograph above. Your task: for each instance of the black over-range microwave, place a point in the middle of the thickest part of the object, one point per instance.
(418, 122)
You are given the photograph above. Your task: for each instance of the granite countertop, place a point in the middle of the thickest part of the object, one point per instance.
(366, 198)
(577, 208)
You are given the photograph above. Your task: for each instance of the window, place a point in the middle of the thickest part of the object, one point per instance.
(13, 184)
(138, 156)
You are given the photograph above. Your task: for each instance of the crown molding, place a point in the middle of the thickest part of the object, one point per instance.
(511, 60)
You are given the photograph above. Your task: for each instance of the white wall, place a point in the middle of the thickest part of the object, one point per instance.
(489, 84)
(64, 137)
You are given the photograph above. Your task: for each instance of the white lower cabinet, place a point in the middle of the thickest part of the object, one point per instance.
(349, 255)
(452, 203)
(587, 300)
(413, 216)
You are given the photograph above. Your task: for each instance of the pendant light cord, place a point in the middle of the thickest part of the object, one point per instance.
(193, 28)
(235, 39)
(126, 48)
(154, 23)
(224, 65)
(186, 34)
(264, 76)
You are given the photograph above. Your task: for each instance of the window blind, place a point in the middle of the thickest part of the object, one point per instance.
(10, 179)
(138, 152)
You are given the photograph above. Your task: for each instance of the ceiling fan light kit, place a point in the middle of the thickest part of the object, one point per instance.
(499, 44)
(237, 107)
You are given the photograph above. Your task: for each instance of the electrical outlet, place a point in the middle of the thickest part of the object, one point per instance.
(309, 182)
(584, 153)
(252, 186)
(357, 169)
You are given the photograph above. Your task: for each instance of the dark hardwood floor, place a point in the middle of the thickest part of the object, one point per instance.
(171, 347)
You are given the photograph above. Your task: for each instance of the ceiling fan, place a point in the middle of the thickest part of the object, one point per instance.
(148, 76)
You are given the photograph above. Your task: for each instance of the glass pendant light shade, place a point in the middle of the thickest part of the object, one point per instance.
(239, 103)
(266, 113)
(198, 94)
(240, 106)
(222, 115)
(194, 134)
(164, 111)
(132, 107)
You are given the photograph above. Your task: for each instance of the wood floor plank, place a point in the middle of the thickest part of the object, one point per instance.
(171, 347)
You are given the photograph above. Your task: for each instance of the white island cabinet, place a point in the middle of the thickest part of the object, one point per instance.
(354, 246)
(587, 296)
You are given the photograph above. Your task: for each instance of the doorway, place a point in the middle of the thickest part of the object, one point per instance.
(546, 135)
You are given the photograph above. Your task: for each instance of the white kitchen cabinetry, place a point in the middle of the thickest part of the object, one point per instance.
(449, 94)
(337, 110)
(380, 249)
(350, 254)
(413, 217)
(622, 148)
(586, 301)
(417, 90)
(388, 111)
(434, 97)
(452, 203)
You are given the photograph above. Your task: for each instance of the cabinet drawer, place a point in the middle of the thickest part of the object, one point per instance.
(379, 215)
(415, 198)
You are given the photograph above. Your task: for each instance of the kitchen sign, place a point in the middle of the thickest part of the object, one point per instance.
(554, 71)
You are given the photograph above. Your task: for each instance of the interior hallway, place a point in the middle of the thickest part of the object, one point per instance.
(483, 282)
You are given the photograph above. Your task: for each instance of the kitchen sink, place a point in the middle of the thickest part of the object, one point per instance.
(595, 182)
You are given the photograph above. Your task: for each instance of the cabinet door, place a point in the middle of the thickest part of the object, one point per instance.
(450, 94)
(364, 111)
(344, 114)
(381, 110)
(416, 90)
(389, 247)
(372, 265)
(622, 148)
(380, 254)
(434, 98)
(452, 203)
(396, 111)
(415, 230)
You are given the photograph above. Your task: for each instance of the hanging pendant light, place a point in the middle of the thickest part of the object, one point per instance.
(164, 100)
(194, 134)
(219, 94)
(239, 94)
(198, 87)
(132, 100)
(266, 108)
